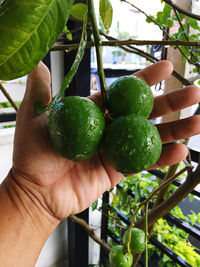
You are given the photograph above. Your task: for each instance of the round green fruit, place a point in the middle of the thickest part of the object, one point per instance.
(131, 144)
(76, 127)
(118, 257)
(130, 95)
(137, 244)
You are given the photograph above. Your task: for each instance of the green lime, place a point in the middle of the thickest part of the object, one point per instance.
(76, 126)
(130, 95)
(131, 144)
(118, 257)
(137, 244)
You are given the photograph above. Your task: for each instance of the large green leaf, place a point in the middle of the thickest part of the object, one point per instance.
(106, 13)
(28, 29)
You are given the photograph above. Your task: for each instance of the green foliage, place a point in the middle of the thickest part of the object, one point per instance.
(165, 18)
(32, 28)
(8, 105)
(177, 240)
(142, 184)
(79, 11)
(94, 205)
(68, 34)
(193, 23)
(106, 13)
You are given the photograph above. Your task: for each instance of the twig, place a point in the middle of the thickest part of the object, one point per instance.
(90, 232)
(8, 97)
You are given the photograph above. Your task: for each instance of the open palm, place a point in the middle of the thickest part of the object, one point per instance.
(65, 187)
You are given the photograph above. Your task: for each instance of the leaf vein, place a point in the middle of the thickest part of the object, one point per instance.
(31, 33)
(12, 29)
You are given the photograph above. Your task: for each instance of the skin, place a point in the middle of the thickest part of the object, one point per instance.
(42, 188)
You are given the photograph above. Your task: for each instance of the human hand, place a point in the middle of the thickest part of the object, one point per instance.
(64, 187)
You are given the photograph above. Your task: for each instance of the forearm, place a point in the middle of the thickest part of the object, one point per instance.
(24, 226)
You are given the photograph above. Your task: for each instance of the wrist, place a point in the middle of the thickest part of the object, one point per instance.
(25, 224)
(26, 198)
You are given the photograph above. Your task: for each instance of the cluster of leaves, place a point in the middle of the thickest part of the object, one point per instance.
(188, 29)
(142, 184)
(177, 240)
(191, 218)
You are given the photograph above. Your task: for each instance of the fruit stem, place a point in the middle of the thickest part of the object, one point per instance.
(98, 46)
(146, 234)
(129, 229)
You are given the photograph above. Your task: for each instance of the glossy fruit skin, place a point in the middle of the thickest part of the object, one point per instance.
(130, 95)
(131, 144)
(117, 257)
(76, 127)
(137, 244)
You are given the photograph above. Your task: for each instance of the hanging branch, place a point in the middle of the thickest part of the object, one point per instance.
(181, 10)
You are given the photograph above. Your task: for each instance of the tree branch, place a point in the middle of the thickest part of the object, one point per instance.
(71, 47)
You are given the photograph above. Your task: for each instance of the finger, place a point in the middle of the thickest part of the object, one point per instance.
(151, 74)
(180, 129)
(38, 88)
(96, 98)
(175, 100)
(171, 155)
(156, 72)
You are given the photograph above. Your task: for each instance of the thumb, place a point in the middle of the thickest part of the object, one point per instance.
(38, 88)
